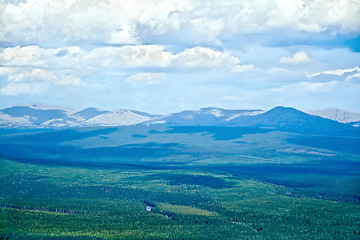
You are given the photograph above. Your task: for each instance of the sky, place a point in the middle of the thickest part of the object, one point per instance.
(164, 56)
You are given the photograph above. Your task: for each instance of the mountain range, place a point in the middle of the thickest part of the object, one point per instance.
(283, 118)
(41, 117)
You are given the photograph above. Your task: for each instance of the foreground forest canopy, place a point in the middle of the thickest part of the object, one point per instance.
(58, 202)
(157, 182)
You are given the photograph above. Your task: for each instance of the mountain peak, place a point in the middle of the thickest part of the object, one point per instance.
(283, 108)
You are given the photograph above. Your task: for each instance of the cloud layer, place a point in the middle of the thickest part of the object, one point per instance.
(125, 56)
(139, 21)
(167, 55)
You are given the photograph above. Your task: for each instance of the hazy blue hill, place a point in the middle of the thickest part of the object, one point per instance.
(36, 116)
(279, 118)
(203, 117)
(293, 120)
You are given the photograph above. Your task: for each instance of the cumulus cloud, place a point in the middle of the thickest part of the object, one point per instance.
(147, 78)
(276, 70)
(298, 58)
(25, 56)
(130, 22)
(140, 55)
(14, 89)
(70, 65)
(34, 81)
(21, 75)
(205, 57)
(125, 56)
(37, 57)
(32, 75)
(242, 68)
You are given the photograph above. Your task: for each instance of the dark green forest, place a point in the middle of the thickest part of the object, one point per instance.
(176, 183)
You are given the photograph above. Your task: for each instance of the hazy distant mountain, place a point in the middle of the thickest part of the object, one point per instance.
(203, 117)
(278, 118)
(290, 119)
(29, 116)
(32, 116)
(337, 115)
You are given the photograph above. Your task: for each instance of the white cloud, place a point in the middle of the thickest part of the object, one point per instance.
(123, 36)
(337, 72)
(298, 58)
(25, 56)
(130, 22)
(69, 80)
(30, 74)
(231, 98)
(125, 56)
(355, 75)
(21, 75)
(242, 68)
(14, 89)
(306, 87)
(146, 78)
(5, 71)
(205, 57)
(276, 70)
(34, 81)
(71, 65)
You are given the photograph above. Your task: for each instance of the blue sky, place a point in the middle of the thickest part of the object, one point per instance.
(167, 56)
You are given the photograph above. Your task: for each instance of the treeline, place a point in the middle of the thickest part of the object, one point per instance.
(42, 209)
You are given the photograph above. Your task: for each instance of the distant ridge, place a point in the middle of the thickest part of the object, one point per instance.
(204, 117)
(34, 117)
(291, 119)
(278, 118)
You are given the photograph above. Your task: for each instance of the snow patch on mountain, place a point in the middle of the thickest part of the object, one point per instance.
(116, 118)
(9, 121)
(337, 115)
(356, 124)
(245, 113)
(203, 117)
(216, 112)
